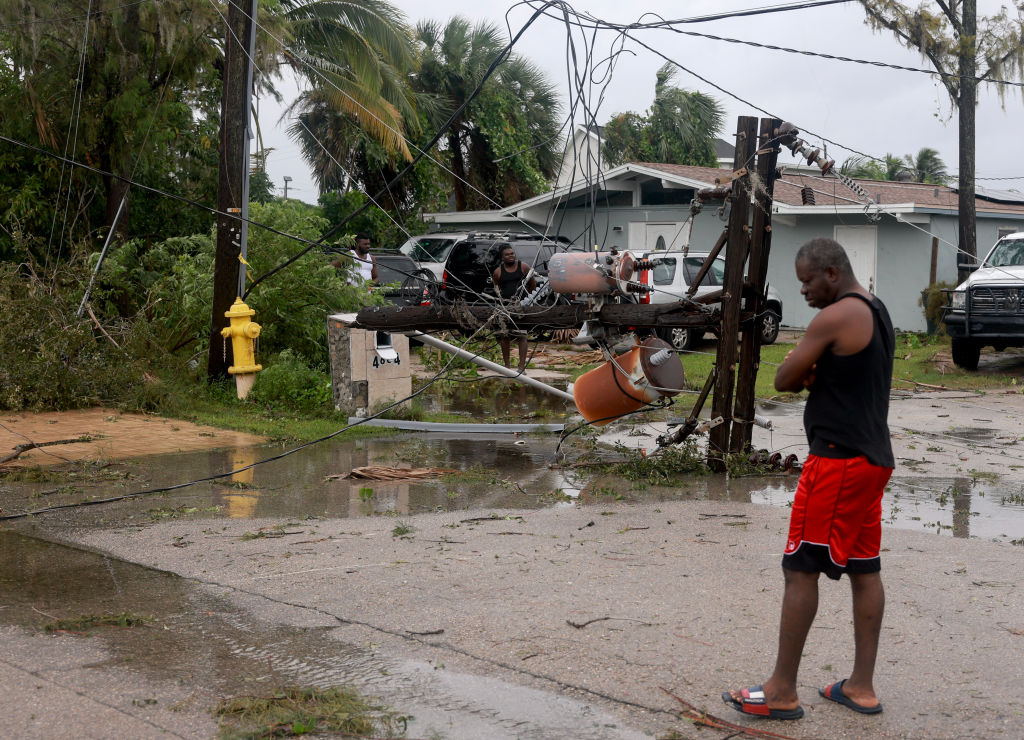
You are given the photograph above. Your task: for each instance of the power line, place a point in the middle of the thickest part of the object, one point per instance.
(822, 55)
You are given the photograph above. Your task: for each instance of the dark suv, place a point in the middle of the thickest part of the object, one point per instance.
(472, 262)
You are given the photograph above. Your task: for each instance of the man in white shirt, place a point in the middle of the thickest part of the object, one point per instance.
(362, 261)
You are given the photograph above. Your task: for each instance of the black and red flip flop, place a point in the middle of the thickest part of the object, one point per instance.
(753, 702)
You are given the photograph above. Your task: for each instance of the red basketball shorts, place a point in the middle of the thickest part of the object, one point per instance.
(836, 523)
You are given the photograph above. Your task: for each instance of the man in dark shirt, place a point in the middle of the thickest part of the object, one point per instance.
(509, 279)
(845, 360)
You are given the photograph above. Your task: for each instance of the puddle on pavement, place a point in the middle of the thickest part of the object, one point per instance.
(507, 400)
(194, 637)
(214, 649)
(491, 472)
(960, 507)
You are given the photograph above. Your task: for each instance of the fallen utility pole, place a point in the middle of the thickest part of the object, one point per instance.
(735, 313)
(471, 317)
(522, 377)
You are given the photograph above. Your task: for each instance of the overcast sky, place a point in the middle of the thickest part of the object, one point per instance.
(865, 108)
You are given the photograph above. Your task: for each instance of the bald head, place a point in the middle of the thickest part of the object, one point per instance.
(821, 253)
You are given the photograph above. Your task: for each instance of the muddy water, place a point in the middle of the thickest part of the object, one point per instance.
(198, 640)
(496, 472)
(506, 398)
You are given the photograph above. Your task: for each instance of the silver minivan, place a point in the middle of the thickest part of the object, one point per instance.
(670, 278)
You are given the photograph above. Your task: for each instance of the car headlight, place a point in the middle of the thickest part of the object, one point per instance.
(958, 300)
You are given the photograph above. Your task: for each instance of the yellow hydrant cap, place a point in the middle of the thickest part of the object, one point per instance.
(239, 309)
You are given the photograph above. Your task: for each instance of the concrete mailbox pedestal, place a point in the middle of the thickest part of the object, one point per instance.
(368, 368)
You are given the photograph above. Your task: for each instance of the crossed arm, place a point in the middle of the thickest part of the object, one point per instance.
(844, 327)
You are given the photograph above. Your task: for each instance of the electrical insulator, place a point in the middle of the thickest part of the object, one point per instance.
(538, 293)
(637, 288)
(787, 132)
(807, 195)
(643, 265)
(813, 156)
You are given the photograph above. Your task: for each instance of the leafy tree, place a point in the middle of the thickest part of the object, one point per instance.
(127, 88)
(503, 142)
(963, 49)
(386, 232)
(680, 127)
(626, 140)
(869, 168)
(168, 285)
(346, 158)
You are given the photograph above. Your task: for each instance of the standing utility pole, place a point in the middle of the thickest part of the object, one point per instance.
(968, 94)
(760, 247)
(233, 182)
(738, 241)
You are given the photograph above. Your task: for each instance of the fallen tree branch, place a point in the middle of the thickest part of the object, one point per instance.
(581, 625)
(19, 449)
(706, 719)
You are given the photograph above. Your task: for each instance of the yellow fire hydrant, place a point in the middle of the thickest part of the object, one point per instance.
(242, 332)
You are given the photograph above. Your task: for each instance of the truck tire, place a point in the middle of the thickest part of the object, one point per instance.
(682, 338)
(966, 353)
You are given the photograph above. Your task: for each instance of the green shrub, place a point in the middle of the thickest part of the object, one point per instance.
(933, 299)
(286, 382)
(51, 359)
(170, 283)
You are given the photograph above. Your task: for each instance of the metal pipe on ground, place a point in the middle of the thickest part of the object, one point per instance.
(515, 375)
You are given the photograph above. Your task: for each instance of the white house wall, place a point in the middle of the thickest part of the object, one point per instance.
(903, 259)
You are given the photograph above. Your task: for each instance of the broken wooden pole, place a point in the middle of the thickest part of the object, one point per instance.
(760, 247)
(735, 259)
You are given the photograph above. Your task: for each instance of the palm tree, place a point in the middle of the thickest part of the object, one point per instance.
(680, 128)
(357, 56)
(927, 166)
(863, 168)
(684, 124)
(503, 142)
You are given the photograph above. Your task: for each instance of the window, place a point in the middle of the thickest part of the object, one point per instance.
(427, 249)
(715, 276)
(664, 270)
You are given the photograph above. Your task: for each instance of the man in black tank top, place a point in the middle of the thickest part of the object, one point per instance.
(509, 279)
(845, 360)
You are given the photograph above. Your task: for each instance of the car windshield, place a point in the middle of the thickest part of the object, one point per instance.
(428, 248)
(1007, 253)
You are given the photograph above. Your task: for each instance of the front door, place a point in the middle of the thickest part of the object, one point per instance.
(861, 245)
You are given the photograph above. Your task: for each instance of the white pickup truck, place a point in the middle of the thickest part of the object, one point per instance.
(987, 309)
(670, 278)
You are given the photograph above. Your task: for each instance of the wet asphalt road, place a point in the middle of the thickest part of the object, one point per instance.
(465, 621)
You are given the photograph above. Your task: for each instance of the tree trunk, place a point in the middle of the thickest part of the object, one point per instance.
(967, 103)
(458, 168)
(229, 185)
